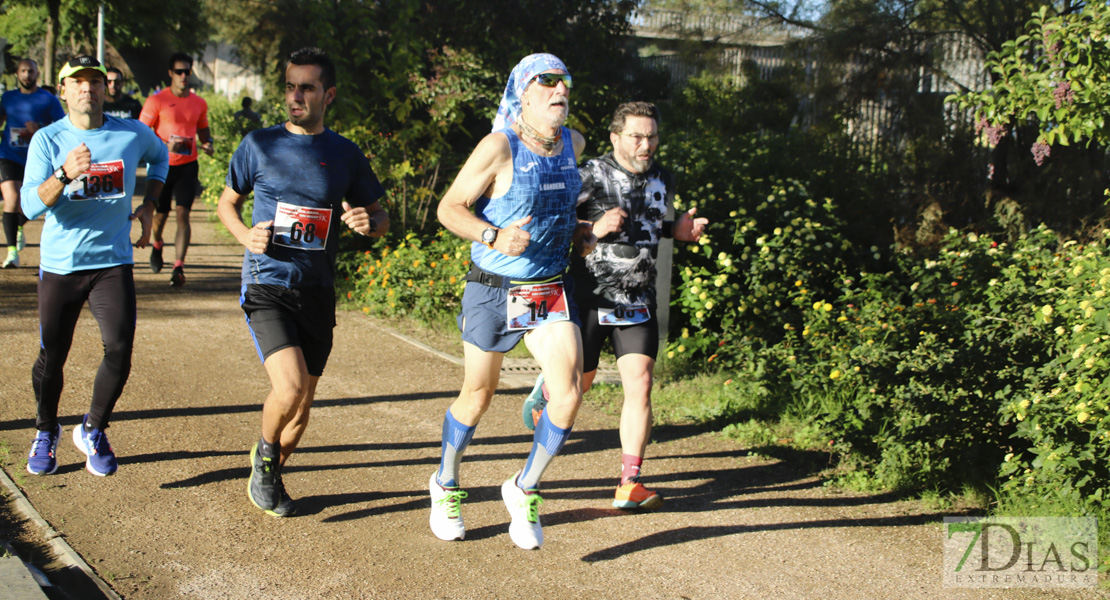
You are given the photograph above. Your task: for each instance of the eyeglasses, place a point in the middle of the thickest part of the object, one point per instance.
(552, 79)
(182, 71)
(639, 137)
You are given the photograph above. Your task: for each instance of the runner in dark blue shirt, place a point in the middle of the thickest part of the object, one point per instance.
(308, 182)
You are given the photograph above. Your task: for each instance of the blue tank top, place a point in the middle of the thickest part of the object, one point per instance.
(546, 188)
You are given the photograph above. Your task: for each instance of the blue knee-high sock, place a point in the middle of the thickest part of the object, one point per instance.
(546, 443)
(456, 437)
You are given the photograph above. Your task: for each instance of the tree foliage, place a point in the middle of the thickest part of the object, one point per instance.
(130, 26)
(418, 82)
(1054, 77)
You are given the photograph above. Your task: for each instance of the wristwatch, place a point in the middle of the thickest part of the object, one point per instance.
(489, 236)
(60, 175)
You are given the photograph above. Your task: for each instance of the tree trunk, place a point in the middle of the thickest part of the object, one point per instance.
(53, 21)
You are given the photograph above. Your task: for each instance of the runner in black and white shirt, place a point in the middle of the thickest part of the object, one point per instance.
(625, 194)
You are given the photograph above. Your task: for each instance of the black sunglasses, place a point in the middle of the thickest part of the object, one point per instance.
(552, 79)
(182, 71)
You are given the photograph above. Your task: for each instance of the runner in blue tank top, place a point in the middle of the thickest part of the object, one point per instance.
(522, 184)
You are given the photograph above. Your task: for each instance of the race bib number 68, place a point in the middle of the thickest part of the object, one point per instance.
(301, 227)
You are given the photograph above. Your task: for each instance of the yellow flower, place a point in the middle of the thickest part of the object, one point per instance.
(841, 319)
(798, 283)
(835, 374)
(1082, 417)
(681, 348)
(670, 354)
(817, 305)
(1046, 310)
(826, 307)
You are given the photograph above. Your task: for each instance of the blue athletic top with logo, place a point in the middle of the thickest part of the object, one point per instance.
(17, 108)
(546, 188)
(89, 227)
(300, 182)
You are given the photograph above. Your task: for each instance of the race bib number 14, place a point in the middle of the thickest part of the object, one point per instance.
(301, 227)
(103, 181)
(530, 306)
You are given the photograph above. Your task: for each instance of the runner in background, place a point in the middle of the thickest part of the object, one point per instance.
(117, 103)
(24, 111)
(180, 118)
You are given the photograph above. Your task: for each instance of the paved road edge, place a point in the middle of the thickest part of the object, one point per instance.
(62, 550)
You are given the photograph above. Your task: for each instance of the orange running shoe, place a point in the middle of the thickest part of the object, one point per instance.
(634, 495)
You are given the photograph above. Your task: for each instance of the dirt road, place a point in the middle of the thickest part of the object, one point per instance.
(175, 522)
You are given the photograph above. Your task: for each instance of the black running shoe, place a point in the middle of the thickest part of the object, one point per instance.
(265, 488)
(285, 507)
(178, 277)
(155, 260)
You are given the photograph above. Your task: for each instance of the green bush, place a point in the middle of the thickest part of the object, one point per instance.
(414, 278)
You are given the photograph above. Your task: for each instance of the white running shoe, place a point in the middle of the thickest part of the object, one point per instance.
(20, 240)
(12, 261)
(524, 508)
(446, 518)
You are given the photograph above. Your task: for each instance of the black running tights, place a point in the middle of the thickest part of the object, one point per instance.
(111, 296)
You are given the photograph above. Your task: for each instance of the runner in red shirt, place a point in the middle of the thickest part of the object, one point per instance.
(180, 118)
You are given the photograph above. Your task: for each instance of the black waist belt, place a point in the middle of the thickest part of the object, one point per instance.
(477, 275)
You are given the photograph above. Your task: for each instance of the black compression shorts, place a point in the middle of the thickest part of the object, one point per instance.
(181, 185)
(10, 170)
(279, 317)
(629, 339)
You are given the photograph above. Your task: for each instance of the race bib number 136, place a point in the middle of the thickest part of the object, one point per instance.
(103, 181)
(301, 227)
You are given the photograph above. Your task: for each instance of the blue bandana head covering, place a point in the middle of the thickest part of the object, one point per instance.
(523, 72)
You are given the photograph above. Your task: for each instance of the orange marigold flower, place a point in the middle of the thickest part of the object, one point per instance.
(410, 283)
(453, 279)
(349, 295)
(711, 358)
(433, 265)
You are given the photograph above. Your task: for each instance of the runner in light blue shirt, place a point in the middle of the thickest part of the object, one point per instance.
(81, 174)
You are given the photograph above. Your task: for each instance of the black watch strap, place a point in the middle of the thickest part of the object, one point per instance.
(60, 175)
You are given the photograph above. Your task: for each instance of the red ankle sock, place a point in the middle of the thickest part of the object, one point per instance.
(178, 263)
(157, 245)
(630, 467)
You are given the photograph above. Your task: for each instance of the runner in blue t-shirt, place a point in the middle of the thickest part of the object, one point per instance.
(522, 184)
(23, 111)
(306, 179)
(81, 176)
